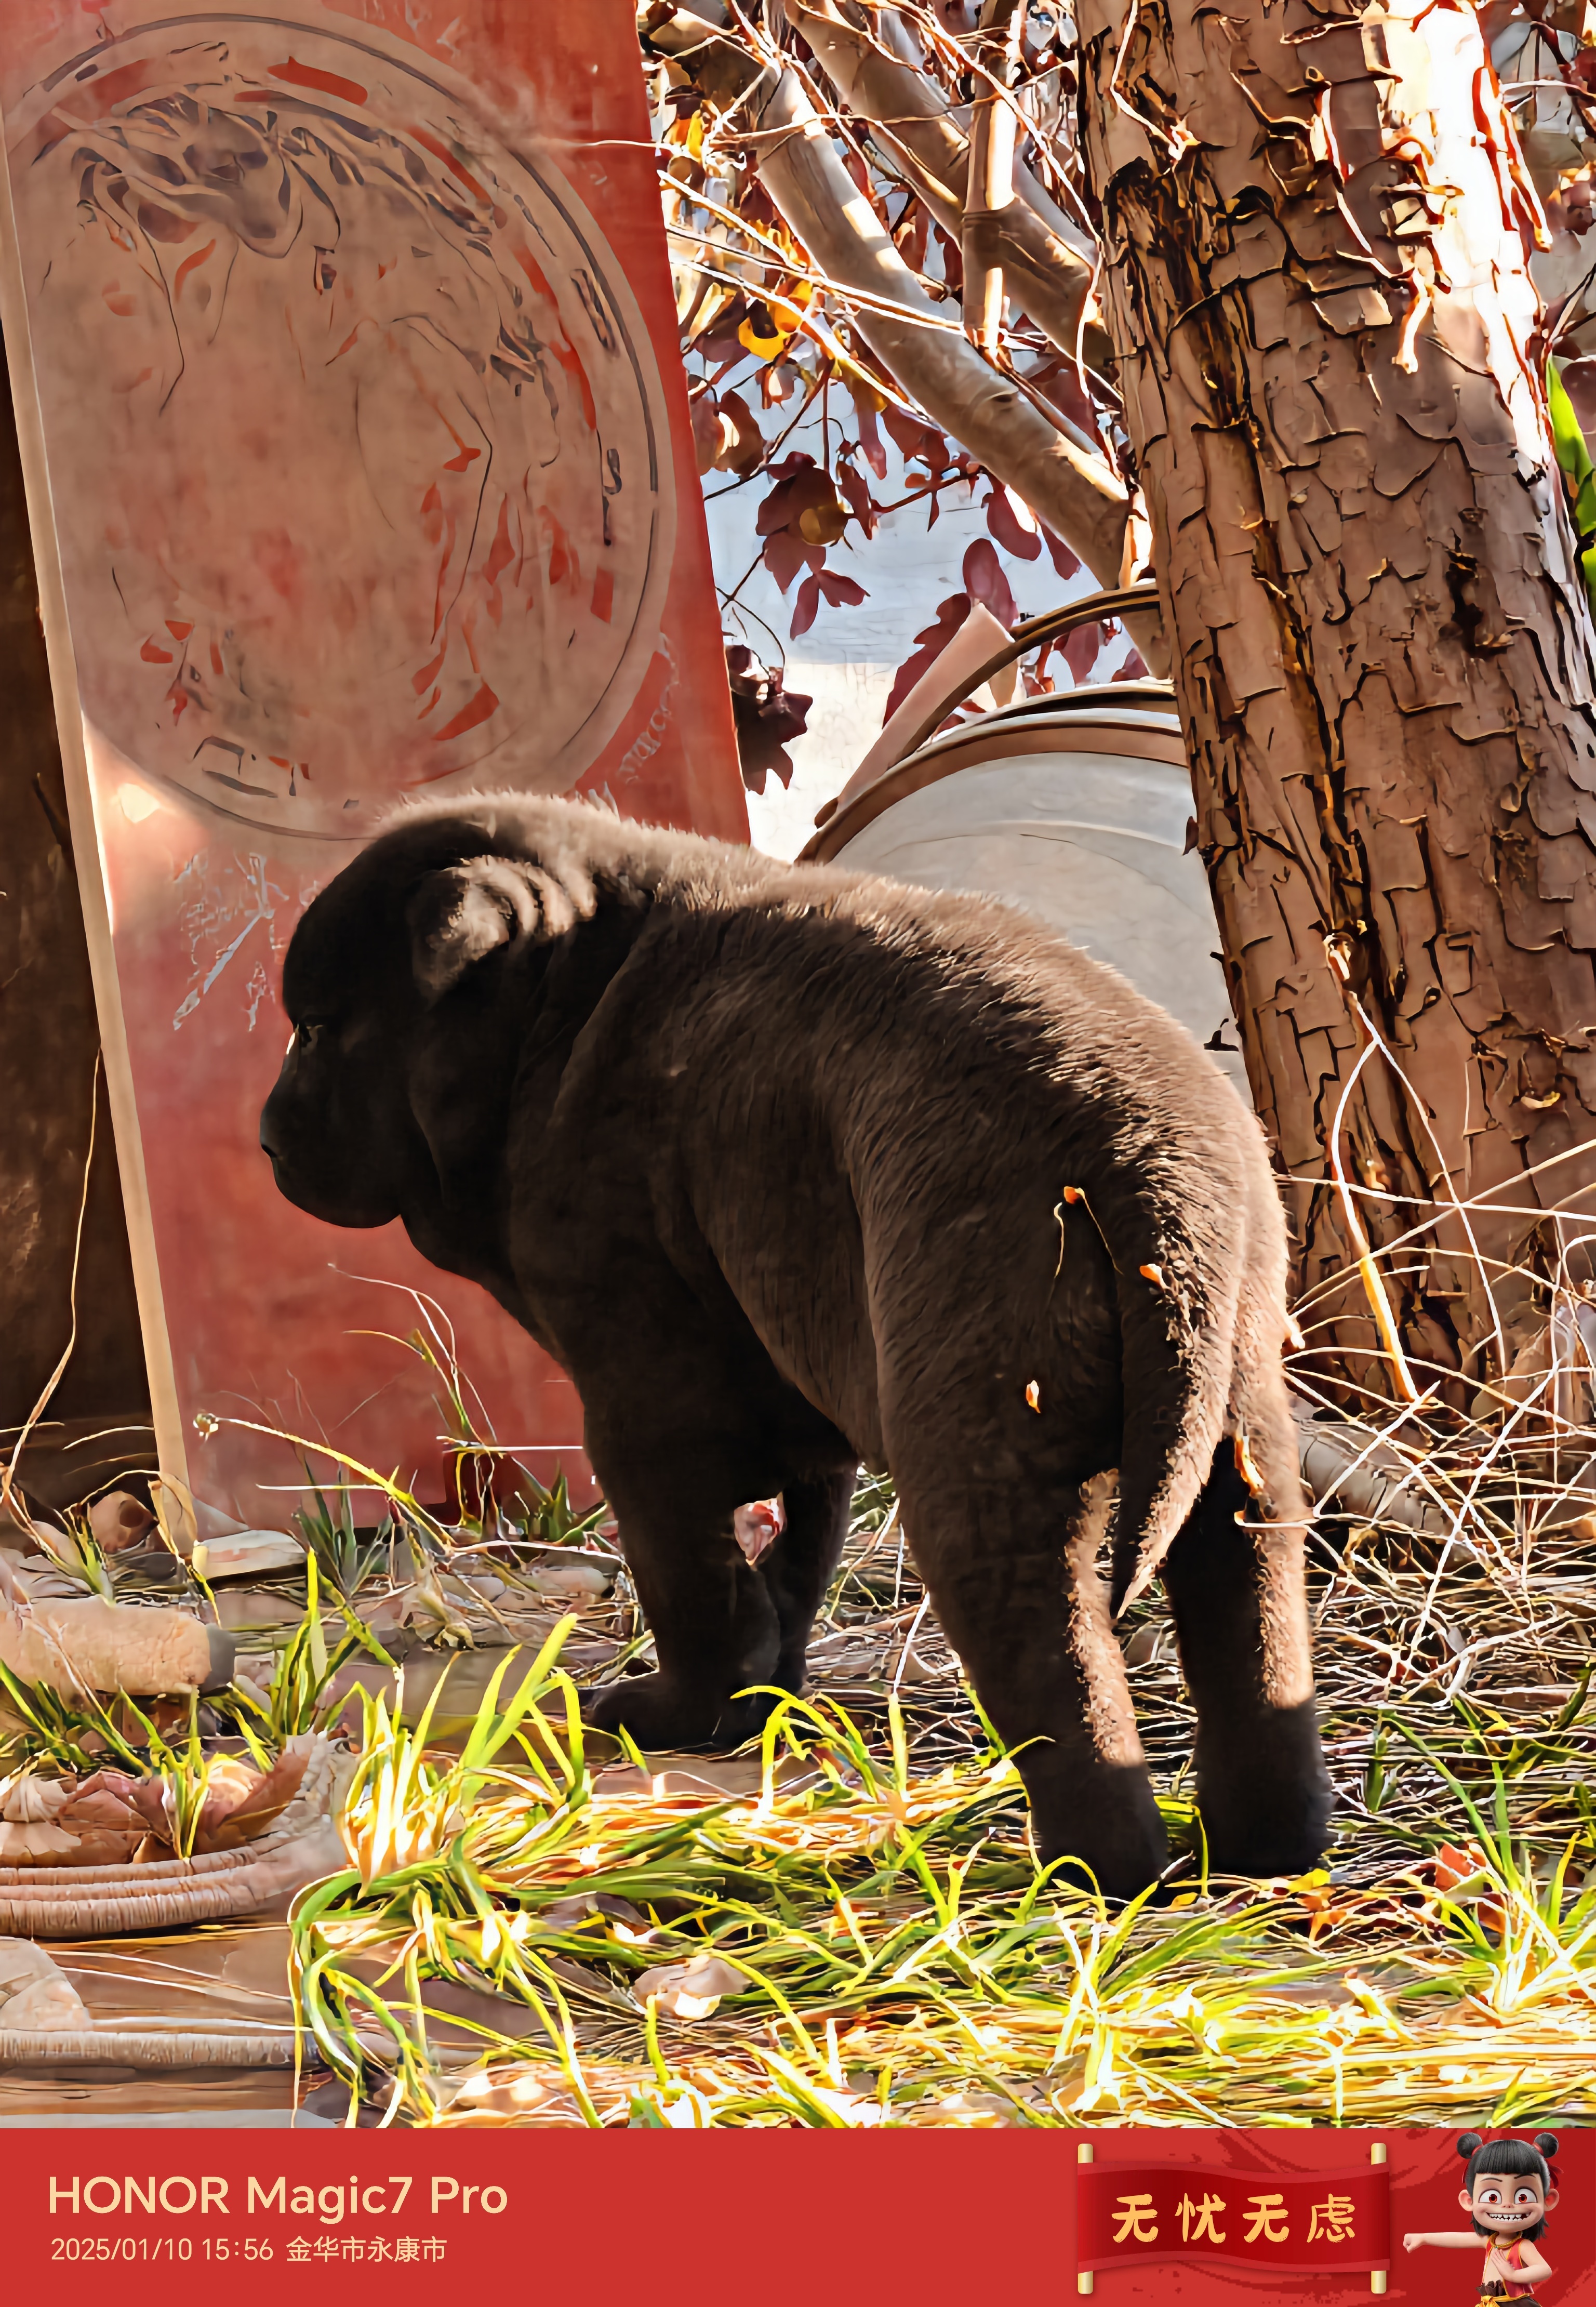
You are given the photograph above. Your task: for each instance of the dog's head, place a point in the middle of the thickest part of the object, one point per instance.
(400, 983)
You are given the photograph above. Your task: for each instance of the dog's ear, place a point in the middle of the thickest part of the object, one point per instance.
(460, 915)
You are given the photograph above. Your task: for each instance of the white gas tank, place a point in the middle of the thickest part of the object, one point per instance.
(1075, 807)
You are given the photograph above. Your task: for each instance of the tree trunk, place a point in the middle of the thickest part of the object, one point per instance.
(1320, 296)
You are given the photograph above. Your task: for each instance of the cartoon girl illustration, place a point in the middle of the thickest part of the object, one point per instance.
(1508, 2188)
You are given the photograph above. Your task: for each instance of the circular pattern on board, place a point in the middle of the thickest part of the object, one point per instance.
(363, 476)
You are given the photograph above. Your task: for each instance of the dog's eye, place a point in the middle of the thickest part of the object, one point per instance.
(308, 1031)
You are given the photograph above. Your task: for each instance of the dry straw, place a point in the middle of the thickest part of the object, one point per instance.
(869, 1875)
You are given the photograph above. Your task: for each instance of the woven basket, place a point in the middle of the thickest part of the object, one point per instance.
(84, 1902)
(108, 2047)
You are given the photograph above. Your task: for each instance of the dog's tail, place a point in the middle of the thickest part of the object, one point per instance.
(1177, 1360)
(1200, 1277)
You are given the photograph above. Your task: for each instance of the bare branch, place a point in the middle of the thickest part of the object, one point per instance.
(989, 193)
(1045, 272)
(1074, 492)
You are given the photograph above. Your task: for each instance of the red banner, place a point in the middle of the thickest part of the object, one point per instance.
(1322, 2223)
(187, 2218)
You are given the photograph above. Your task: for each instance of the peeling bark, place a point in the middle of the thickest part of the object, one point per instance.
(1314, 220)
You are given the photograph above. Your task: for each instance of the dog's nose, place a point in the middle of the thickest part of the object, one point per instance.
(269, 1110)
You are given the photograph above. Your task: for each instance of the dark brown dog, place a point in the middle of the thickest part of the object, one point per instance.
(790, 1167)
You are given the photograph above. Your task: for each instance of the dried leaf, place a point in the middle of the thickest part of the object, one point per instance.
(235, 1817)
(690, 1990)
(34, 1844)
(769, 715)
(28, 1800)
(757, 1527)
(119, 1521)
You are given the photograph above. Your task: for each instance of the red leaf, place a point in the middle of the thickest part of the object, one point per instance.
(1453, 1865)
(1063, 389)
(842, 592)
(953, 261)
(985, 582)
(742, 453)
(1063, 560)
(796, 494)
(808, 602)
(1006, 526)
(776, 509)
(852, 482)
(914, 438)
(1133, 669)
(755, 204)
(776, 381)
(1079, 651)
(911, 236)
(720, 341)
(871, 446)
(785, 554)
(705, 430)
(934, 640)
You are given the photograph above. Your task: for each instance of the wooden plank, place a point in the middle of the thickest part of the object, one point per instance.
(49, 1039)
(165, 1415)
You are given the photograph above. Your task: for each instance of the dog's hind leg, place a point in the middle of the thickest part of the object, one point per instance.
(711, 1614)
(1027, 1610)
(798, 1566)
(1236, 1590)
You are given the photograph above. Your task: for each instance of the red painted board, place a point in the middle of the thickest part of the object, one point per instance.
(359, 467)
